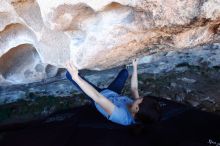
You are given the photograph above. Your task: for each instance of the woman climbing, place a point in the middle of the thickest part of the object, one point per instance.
(109, 101)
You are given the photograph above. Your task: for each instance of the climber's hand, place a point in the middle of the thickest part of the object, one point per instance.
(135, 62)
(72, 68)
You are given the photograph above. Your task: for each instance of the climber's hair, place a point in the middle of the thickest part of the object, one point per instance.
(149, 110)
(149, 113)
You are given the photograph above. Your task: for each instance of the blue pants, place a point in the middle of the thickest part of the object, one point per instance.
(117, 85)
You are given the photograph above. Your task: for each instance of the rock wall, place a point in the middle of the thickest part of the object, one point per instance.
(38, 36)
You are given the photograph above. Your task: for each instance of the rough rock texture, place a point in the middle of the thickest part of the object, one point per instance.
(177, 41)
(97, 35)
(191, 77)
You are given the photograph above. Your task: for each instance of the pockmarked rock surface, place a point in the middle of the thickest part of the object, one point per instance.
(38, 36)
(177, 43)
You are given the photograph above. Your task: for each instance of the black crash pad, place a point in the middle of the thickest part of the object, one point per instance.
(180, 125)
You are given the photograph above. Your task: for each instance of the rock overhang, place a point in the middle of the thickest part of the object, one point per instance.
(100, 35)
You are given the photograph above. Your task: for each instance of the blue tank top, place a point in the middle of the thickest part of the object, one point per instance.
(120, 114)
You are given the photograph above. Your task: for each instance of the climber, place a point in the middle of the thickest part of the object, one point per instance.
(109, 101)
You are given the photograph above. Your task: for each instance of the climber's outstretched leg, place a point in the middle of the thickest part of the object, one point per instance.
(118, 84)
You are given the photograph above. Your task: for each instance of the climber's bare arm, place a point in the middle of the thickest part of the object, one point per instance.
(106, 104)
(134, 80)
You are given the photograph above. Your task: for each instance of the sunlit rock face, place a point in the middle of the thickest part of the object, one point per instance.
(22, 64)
(38, 36)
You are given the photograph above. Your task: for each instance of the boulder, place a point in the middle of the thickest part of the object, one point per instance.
(37, 36)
